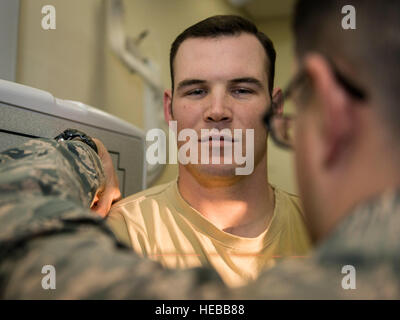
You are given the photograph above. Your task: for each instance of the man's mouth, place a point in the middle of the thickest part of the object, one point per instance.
(217, 139)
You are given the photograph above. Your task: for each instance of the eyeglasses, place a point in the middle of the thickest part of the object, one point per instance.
(281, 126)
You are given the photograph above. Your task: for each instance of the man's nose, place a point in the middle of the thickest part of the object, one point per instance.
(218, 109)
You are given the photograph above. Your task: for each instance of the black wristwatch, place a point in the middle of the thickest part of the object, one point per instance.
(71, 134)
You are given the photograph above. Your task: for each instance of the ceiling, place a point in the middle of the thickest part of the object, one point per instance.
(265, 9)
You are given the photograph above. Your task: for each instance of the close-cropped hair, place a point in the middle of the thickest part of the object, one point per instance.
(226, 25)
(370, 52)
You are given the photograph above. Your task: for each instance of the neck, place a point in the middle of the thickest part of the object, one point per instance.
(241, 205)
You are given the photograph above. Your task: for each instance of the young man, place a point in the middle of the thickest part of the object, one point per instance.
(347, 159)
(222, 71)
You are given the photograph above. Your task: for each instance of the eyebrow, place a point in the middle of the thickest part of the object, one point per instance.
(250, 80)
(190, 82)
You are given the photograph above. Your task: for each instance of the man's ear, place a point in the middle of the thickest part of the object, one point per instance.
(277, 100)
(334, 110)
(168, 115)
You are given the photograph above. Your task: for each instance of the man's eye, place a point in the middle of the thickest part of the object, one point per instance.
(242, 91)
(196, 92)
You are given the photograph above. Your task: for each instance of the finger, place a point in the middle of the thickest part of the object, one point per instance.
(117, 196)
(97, 196)
(94, 201)
(104, 204)
(98, 211)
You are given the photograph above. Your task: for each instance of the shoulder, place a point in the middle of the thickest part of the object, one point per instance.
(297, 279)
(142, 205)
(288, 201)
(127, 218)
(148, 194)
(291, 218)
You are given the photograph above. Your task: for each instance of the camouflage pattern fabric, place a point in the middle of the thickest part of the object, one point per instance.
(368, 240)
(45, 192)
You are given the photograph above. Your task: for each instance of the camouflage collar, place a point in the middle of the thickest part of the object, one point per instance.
(371, 232)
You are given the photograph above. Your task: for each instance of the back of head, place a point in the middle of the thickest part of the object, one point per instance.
(225, 25)
(370, 53)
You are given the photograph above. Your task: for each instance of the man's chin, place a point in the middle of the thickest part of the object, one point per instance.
(216, 170)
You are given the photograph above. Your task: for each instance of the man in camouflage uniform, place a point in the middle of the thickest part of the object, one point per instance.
(347, 160)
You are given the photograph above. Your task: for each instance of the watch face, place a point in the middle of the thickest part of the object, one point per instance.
(71, 134)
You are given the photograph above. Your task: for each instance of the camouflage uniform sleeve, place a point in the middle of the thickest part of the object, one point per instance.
(45, 190)
(69, 169)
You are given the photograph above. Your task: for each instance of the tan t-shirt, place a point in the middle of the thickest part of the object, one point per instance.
(159, 224)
